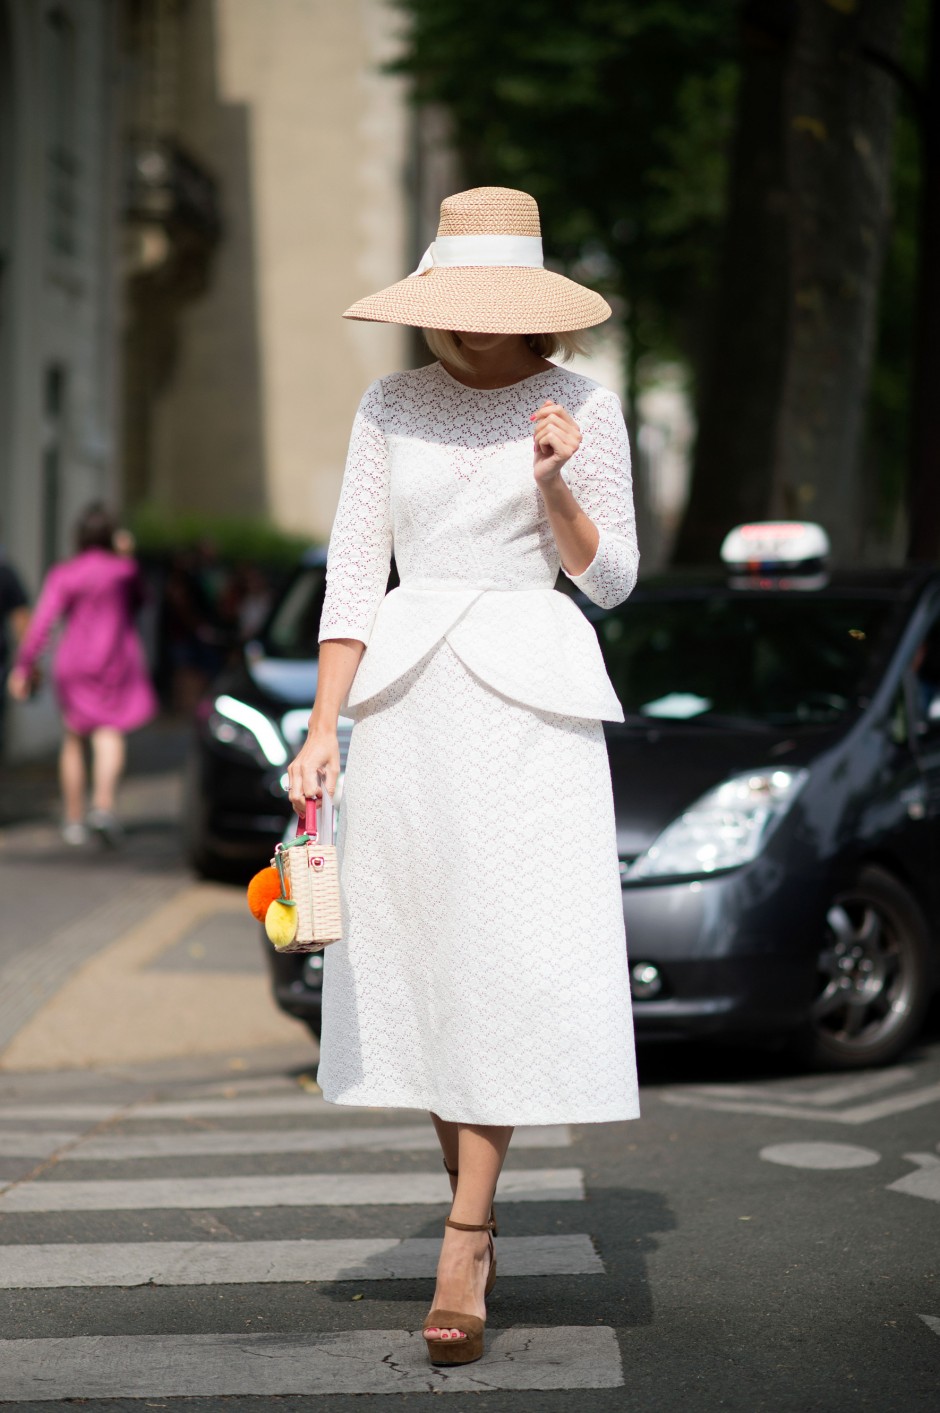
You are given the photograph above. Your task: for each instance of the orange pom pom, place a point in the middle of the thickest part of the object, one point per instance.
(263, 889)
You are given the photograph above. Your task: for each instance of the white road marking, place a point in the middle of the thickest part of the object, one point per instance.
(820, 1155)
(859, 1085)
(235, 1108)
(837, 1093)
(177, 1109)
(411, 1138)
(235, 1087)
(291, 1190)
(932, 1322)
(861, 1114)
(93, 1113)
(33, 1145)
(924, 1181)
(264, 1365)
(257, 1262)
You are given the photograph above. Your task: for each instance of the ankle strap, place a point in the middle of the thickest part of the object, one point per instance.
(464, 1226)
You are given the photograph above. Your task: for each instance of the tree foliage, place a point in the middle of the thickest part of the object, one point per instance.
(614, 115)
(888, 413)
(618, 116)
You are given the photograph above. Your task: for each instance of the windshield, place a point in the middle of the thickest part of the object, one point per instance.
(785, 660)
(291, 631)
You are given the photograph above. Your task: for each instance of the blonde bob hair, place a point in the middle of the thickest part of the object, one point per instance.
(445, 345)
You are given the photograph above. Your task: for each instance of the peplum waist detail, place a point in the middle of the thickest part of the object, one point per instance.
(532, 644)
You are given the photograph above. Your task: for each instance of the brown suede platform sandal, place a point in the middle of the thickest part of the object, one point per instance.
(470, 1348)
(493, 1227)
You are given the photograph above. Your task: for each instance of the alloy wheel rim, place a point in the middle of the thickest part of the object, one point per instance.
(865, 995)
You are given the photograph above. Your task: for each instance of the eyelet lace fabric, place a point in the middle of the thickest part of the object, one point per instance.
(483, 974)
(443, 473)
(483, 969)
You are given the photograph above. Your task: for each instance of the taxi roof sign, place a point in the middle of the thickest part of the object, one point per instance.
(771, 544)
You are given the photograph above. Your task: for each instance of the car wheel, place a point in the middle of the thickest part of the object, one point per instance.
(873, 976)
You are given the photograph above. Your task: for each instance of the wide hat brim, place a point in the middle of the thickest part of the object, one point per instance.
(487, 299)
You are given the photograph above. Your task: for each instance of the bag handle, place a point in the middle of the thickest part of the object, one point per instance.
(310, 824)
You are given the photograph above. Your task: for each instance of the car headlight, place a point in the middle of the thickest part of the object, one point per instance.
(245, 728)
(725, 828)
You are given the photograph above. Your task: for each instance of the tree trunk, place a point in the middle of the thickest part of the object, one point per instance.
(781, 405)
(924, 493)
(741, 374)
(840, 111)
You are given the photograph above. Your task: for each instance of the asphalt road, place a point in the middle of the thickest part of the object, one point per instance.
(186, 1225)
(758, 1240)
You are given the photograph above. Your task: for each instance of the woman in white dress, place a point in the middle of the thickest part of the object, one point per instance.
(483, 969)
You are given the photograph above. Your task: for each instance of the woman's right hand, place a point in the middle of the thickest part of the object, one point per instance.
(19, 685)
(318, 757)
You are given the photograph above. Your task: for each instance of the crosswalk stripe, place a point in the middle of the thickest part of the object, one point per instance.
(55, 1113)
(354, 1362)
(251, 1262)
(170, 1109)
(290, 1190)
(33, 1145)
(412, 1138)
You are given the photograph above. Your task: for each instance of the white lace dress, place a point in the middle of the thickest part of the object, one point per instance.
(483, 972)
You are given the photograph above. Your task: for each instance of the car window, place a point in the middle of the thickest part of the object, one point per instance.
(291, 631)
(787, 659)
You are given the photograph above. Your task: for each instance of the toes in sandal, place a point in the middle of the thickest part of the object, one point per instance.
(493, 1227)
(470, 1347)
(455, 1351)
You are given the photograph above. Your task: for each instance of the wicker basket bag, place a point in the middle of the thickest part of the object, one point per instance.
(309, 868)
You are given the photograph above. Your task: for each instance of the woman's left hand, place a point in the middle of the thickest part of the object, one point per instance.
(557, 438)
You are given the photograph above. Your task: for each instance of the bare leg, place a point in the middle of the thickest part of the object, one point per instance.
(449, 1139)
(107, 765)
(72, 777)
(464, 1261)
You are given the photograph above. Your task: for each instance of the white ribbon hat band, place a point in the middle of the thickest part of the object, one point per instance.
(482, 250)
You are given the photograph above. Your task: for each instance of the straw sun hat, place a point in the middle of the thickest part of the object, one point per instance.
(484, 275)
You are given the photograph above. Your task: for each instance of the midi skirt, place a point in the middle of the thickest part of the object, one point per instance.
(483, 969)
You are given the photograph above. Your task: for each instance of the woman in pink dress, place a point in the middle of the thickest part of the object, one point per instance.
(99, 673)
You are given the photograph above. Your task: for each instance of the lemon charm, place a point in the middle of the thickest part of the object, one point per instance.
(280, 922)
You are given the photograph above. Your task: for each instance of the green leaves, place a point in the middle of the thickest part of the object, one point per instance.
(614, 114)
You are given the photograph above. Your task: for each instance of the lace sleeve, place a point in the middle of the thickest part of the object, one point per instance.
(599, 476)
(360, 549)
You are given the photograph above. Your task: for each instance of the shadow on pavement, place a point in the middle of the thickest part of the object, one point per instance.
(629, 1218)
(718, 1061)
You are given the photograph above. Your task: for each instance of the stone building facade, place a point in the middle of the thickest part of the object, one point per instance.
(58, 284)
(285, 105)
(191, 192)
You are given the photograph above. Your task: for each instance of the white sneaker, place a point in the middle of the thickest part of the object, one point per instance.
(74, 834)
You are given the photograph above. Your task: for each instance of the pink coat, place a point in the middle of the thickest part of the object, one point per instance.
(100, 672)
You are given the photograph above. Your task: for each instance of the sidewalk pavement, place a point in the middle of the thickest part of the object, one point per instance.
(109, 959)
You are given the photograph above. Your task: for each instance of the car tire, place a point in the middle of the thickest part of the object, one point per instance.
(873, 977)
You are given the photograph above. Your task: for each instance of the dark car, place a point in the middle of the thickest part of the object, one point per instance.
(777, 792)
(777, 787)
(249, 725)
